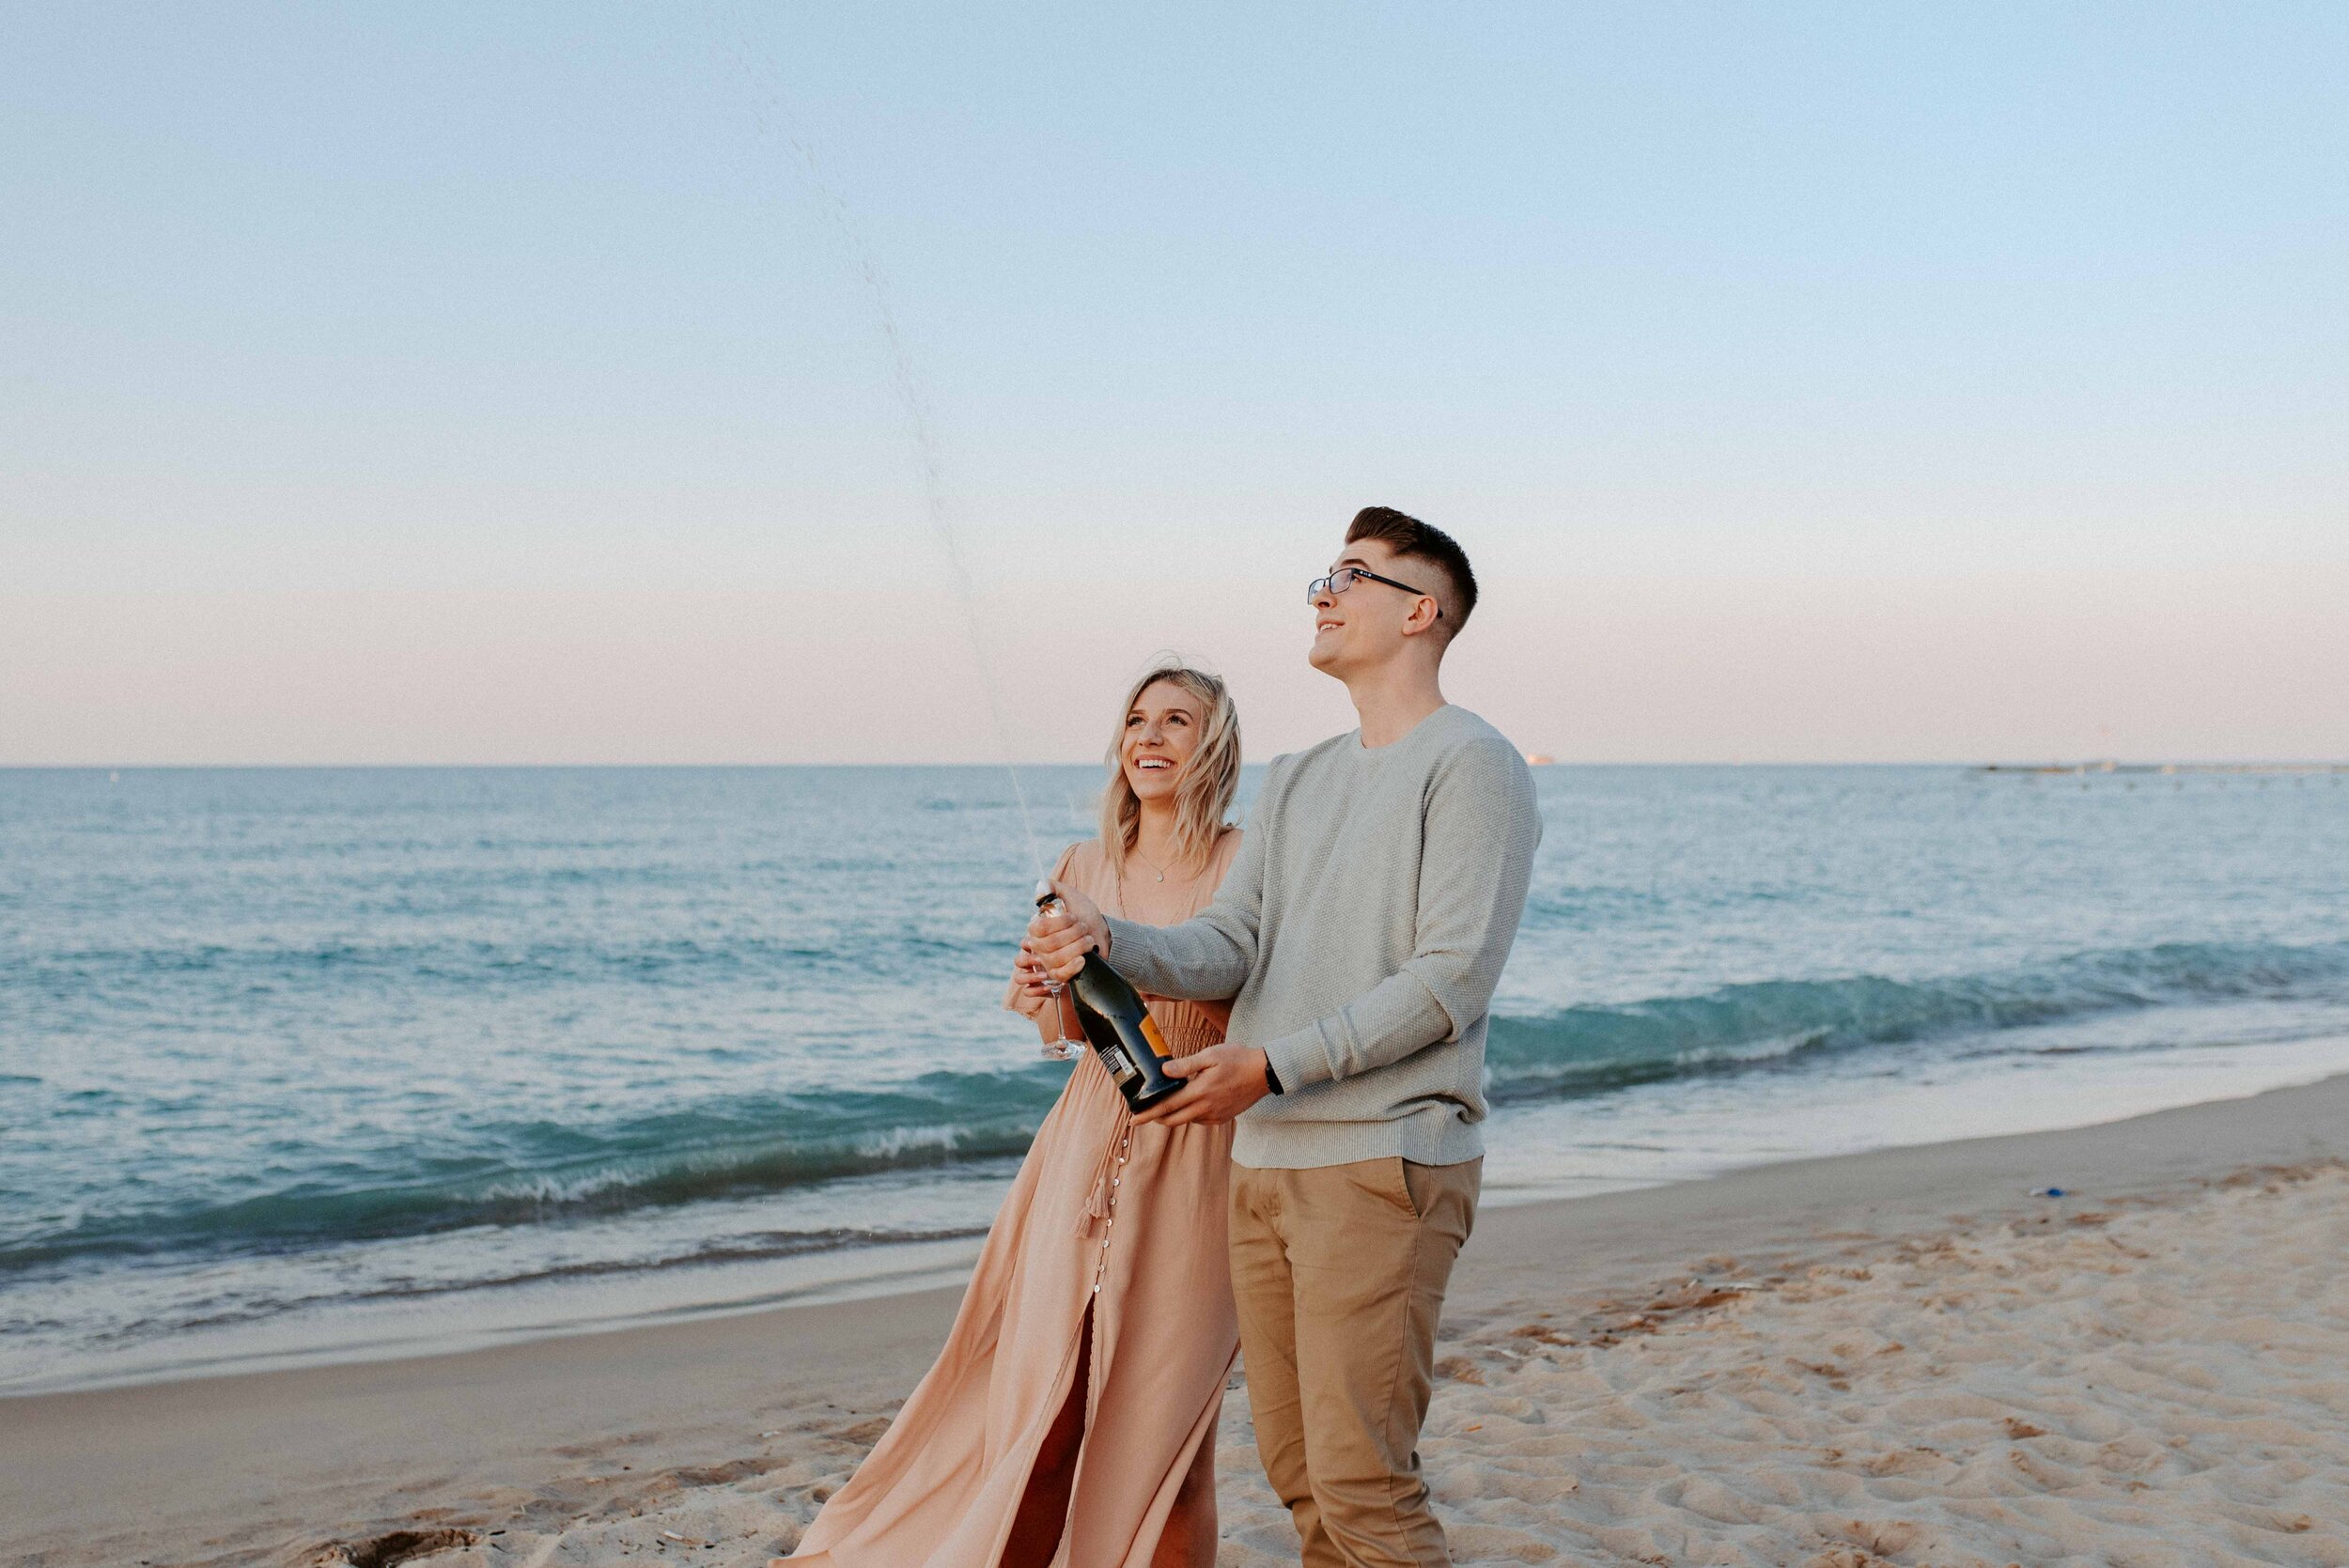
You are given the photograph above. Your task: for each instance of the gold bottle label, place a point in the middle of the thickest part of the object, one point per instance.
(1158, 1041)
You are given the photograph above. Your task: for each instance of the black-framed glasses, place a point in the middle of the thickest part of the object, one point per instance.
(1341, 579)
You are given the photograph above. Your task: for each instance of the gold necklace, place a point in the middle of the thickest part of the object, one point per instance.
(1146, 860)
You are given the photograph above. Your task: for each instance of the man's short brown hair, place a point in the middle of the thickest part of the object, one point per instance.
(1412, 539)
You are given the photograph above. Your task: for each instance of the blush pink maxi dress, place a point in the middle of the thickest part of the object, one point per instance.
(1106, 1218)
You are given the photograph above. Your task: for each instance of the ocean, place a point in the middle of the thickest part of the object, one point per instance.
(303, 1064)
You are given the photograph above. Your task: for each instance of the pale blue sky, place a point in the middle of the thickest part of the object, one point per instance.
(521, 302)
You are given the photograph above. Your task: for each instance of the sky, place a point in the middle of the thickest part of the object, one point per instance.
(771, 383)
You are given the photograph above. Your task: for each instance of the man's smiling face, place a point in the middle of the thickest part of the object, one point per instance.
(1364, 625)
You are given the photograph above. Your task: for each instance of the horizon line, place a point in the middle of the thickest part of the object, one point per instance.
(2089, 767)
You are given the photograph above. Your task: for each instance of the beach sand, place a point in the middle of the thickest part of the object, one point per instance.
(1903, 1356)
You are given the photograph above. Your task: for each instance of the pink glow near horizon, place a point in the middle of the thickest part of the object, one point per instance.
(2214, 664)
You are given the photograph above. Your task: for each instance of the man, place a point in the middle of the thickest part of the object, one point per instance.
(1360, 932)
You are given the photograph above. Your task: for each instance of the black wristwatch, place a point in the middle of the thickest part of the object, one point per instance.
(1271, 1078)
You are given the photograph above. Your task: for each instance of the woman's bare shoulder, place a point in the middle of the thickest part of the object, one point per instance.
(1081, 862)
(1227, 851)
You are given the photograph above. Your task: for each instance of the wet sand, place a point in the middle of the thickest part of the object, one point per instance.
(1901, 1357)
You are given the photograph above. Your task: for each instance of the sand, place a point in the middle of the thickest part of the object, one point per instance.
(1903, 1357)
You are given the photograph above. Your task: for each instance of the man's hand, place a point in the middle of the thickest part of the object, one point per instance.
(1060, 942)
(1225, 1080)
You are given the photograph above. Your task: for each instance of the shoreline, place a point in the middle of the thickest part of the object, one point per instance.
(1544, 1151)
(270, 1465)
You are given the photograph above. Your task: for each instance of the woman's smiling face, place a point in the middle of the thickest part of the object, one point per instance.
(1161, 731)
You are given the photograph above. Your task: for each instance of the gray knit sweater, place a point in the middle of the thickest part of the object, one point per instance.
(1360, 933)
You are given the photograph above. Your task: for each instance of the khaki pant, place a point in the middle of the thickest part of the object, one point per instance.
(1339, 1273)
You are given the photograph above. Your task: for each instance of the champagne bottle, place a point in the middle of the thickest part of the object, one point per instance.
(1119, 1027)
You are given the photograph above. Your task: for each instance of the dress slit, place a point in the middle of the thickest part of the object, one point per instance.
(1041, 1518)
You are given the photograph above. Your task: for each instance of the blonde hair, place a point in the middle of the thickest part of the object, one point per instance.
(1204, 788)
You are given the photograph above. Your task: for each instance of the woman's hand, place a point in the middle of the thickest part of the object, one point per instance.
(1027, 993)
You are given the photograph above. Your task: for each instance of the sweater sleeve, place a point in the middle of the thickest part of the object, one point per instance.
(1209, 957)
(1480, 831)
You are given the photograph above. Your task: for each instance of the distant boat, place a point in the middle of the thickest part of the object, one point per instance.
(1538, 759)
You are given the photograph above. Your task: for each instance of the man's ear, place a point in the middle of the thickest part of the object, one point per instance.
(1426, 617)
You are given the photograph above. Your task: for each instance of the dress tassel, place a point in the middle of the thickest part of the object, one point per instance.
(1098, 1206)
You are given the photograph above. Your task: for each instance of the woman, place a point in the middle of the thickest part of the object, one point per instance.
(1071, 1417)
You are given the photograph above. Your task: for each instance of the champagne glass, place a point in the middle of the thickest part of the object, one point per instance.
(1060, 1048)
